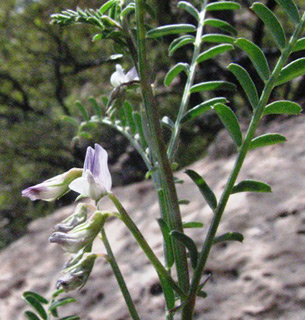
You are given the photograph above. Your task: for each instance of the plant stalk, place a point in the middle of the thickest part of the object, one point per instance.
(173, 143)
(119, 277)
(124, 216)
(157, 147)
(187, 313)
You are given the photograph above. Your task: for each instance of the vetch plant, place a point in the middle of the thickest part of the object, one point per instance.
(123, 23)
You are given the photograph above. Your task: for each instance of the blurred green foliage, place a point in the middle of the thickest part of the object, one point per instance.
(44, 69)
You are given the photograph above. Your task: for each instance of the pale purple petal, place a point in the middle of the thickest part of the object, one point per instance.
(100, 171)
(34, 193)
(89, 159)
(132, 74)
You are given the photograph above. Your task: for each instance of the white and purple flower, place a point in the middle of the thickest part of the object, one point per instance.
(95, 181)
(119, 77)
(53, 188)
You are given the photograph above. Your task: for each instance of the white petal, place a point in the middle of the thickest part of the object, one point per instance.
(80, 185)
(118, 77)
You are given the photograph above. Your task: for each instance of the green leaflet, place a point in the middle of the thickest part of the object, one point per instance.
(217, 38)
(106, 6)
(138, 121)
(170, 29)
(230, 121)
(282, 107)
(272, 23)
(213, 85)
(129, 118)
(246, 83)
(251, 186)
(61, 302)
(180, 42)
(36, 305)
(174, 71)
(300, 45)
(96, 106)
(167, 243)
(205, 190)
(189, 8)
(230, 236)
(31, 316)
(292, 70)
(266, 140)
(201, 108)
(82, 110)
(189, 244)
(214, 51)
(222, 5)
(256, 56)
(35, 295)
(220, 24)
(192, 224)
(291, 9)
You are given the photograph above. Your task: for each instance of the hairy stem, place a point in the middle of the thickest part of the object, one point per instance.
(189, 307)
(157, 147)
(145, 246)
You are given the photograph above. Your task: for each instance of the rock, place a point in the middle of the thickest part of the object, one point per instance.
(261, 279)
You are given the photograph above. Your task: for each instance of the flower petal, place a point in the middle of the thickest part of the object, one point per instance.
(89, 159)
(132, 74)
(118, 77)
(80, 185)
(100, 168)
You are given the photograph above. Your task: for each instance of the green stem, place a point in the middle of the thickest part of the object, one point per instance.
(145, 246)
(187, 313)
(157, 147)
(119, 277)
(173, 143)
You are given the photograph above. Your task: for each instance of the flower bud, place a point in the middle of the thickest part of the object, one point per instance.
(82, 235)
(78, 217)
(78, 274)
(53, 188)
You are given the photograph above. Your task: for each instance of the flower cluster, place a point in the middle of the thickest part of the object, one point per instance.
(77, 232)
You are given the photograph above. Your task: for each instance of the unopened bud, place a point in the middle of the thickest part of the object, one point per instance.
(53, 188)
(78, 217)
(78, 274)
(82, 235)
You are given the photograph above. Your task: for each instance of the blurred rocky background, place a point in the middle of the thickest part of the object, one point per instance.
(261, 279)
